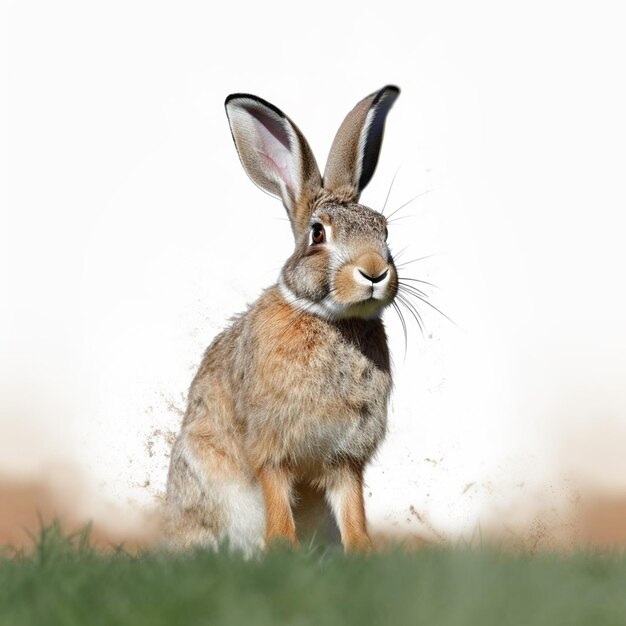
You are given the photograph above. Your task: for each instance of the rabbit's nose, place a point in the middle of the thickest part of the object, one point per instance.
(374, 279)
(371, 267)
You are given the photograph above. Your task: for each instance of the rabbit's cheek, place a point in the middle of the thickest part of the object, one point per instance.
(307, 276)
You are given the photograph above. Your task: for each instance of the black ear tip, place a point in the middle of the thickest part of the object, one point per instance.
(230, 97)
(388, 93)
(239, 96)
(256, 102)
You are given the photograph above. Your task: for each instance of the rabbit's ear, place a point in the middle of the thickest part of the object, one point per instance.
(274, 153)
(354, 153)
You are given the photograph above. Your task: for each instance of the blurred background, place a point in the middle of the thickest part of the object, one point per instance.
(130, 234)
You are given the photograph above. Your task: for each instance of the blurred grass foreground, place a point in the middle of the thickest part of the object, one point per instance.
(64, 580)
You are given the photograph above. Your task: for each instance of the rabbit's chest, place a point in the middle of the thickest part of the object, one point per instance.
(323, 405)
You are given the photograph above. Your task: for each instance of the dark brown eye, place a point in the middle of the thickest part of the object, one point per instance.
(386, 233)
(318, 234)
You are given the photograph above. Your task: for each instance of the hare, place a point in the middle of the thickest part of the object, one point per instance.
(295, 391)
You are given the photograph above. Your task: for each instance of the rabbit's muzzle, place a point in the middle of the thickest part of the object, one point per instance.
(368, 279)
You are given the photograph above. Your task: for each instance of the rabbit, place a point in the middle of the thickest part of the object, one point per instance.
(295, 391)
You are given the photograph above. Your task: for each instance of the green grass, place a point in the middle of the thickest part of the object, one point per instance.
(64, 581)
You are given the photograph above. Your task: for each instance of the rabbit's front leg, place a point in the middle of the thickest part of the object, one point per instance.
(345, 495)
(276, 486)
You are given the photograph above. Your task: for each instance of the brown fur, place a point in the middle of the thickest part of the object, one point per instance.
(292, 397)
(276, 484)
(353, 525)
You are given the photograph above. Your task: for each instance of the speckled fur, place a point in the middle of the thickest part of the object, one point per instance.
(286, 396)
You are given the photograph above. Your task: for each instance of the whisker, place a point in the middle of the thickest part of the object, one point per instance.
(413, 311)
(402, 217)
(397, 256)
(419, 195)
(418, 280)
(412, 289)
(428, 256)
(403, 322)
(420, 319)
(432, 306)
(389, 192)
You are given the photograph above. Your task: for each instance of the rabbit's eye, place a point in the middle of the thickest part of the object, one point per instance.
(386, 233)
(318, 234)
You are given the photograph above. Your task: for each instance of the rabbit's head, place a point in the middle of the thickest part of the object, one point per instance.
(341, 266)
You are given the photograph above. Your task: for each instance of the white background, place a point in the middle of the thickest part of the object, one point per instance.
(130, 233)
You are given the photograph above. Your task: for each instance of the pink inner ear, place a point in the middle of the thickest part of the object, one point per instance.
(276, 154)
